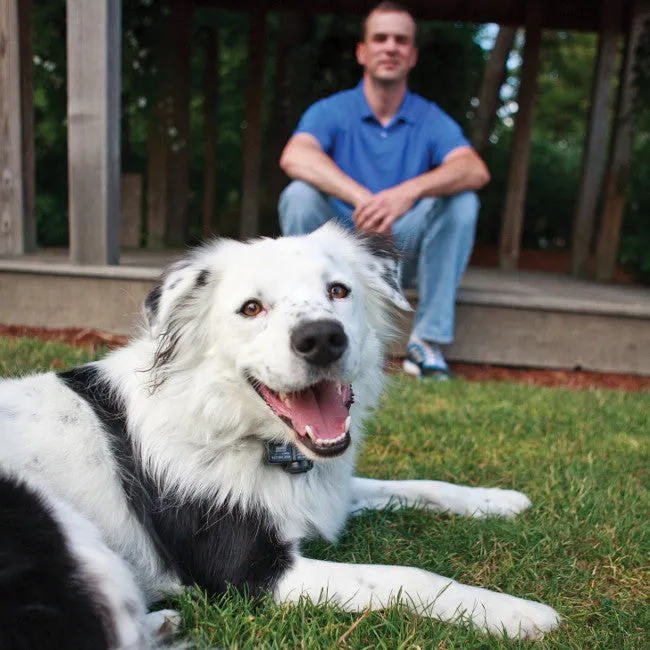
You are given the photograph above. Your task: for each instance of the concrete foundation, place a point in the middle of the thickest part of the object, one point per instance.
(533, 320)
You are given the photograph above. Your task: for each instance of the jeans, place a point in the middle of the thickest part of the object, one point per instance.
(435, 236)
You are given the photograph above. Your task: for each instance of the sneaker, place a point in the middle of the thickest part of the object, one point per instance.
(425, 359)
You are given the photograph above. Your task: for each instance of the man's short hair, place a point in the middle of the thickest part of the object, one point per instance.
(385, 6)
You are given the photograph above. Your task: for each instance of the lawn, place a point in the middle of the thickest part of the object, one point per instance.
(581, 456)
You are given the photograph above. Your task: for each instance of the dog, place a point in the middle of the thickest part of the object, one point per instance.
(220, 436)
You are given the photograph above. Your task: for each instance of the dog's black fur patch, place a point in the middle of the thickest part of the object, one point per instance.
(379, 244)
(45, 600)
(204, 544)
(202, 278)
(152, 301)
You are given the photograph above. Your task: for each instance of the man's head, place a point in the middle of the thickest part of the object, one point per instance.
(387, 49)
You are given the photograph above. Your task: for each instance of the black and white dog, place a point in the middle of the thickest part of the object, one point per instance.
(209, 446)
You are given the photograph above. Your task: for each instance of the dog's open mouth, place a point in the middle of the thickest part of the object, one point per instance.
(319, 415)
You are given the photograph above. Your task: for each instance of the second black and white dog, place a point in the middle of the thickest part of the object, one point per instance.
(209, 446)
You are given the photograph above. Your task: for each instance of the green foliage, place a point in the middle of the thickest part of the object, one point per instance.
(567, 63)
(551, 193)
(50, 122)
(635, 234)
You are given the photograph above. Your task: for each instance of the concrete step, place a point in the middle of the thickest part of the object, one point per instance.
(520, 319)
(549, 321)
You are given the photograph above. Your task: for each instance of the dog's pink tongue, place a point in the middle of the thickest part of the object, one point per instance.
(322, 409)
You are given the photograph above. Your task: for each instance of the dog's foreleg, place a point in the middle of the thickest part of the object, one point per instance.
(356, 587)
(463, 500)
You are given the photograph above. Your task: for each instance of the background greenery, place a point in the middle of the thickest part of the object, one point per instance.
(581, 456)
(449, 72)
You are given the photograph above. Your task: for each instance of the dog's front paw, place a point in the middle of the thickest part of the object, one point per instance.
(162, 624)
(495, 502)
(516, 617)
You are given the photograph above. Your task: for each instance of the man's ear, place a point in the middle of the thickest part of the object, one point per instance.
(361, 53)
(381, 266)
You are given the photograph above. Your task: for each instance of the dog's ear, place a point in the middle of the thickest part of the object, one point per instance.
(381, 266)
(178, 284)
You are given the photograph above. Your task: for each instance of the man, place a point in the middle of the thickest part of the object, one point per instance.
(380, 158)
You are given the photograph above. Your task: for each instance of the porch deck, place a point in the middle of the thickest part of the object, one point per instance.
(520, 319)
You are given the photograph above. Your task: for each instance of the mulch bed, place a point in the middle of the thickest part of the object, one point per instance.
(471, 372)
(544, 261)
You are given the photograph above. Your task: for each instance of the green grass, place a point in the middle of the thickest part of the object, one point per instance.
(19, 356)
(582, 457)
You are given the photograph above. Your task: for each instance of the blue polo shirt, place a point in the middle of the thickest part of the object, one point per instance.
(416, 141)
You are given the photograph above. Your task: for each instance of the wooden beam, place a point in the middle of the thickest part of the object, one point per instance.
(617, 176)
(565, 14)
(513, 215)
(178, 189)
(494, 75)
(210, 98)
(27, 117)
(94, 62)
(596, 143)
(157, 176)
(160, 126)
(12, 235)
(249, 222)
(130, 210)
(294, 29)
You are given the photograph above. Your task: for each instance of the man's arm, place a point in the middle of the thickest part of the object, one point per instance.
(304, 159)
(461, 170)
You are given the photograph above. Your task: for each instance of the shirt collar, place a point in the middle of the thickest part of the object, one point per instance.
(404, 114)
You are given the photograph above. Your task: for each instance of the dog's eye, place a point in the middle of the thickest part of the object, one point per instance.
(336, 291)
(251, 308)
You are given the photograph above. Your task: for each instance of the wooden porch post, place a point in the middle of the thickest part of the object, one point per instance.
(178, 180)
(94, 62)
(617, 176)
(210, 99)
(596, 143)
(493, 77)
(27, 117)
(160, 126)
(12, 231)
(293, 32)
(249, 223)
(513, 215)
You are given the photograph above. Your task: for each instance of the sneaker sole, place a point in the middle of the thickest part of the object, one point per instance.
(415, 370)
(411, 368)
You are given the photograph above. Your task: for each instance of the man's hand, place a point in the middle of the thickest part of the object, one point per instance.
(381, 210)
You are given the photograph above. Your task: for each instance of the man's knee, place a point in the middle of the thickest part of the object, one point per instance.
(300, 208)
(299, 195)
(463, 210)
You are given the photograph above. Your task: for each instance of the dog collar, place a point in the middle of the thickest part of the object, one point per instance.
(288, 456)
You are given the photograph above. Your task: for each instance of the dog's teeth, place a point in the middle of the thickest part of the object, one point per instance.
(339, 389)
(309, 431)
(347, 423)
(331, 441)
(285, 398)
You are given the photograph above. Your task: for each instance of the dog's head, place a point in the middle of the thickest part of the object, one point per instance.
(287, 326)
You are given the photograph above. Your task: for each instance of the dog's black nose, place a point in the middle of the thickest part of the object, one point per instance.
(319, 342)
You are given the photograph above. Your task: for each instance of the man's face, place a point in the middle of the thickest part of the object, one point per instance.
(388, 51)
